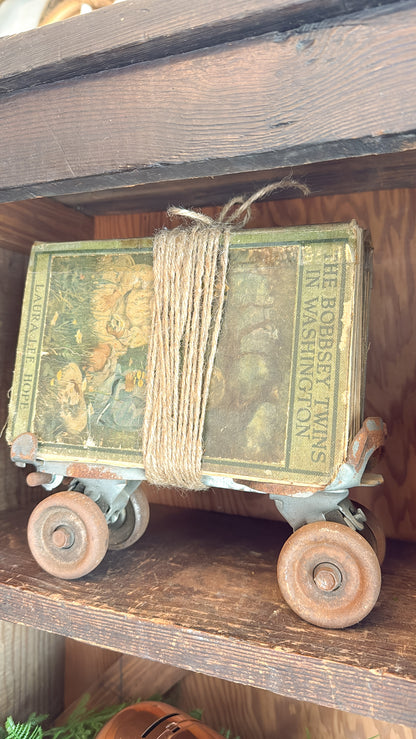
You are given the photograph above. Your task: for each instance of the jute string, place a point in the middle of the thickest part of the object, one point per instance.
(190, 267)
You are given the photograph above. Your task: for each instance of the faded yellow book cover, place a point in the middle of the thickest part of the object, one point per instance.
(285, 396)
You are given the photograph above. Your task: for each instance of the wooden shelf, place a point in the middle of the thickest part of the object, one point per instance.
(165, 99)
(199, 592)
(121, 111)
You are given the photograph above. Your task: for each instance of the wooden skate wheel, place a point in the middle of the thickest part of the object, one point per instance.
(68, 535)
(132, 522)
(329, 574)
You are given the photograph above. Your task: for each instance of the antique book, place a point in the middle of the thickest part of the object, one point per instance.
(286, 392)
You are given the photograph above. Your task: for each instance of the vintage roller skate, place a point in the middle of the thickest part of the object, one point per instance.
(284, 401)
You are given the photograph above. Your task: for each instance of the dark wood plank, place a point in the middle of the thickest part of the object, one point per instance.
(199, 592)
(283, 99)
(359, 174)
(135, 32)
(44, 220)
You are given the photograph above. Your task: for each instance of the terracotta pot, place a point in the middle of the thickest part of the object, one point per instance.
(155, 720)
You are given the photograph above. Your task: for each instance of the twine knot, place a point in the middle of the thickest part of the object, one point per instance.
(237, 217)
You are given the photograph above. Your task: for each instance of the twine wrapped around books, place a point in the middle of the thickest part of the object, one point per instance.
(190, 266)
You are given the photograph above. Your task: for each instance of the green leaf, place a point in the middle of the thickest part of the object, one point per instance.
(28, 730)
(196, 713)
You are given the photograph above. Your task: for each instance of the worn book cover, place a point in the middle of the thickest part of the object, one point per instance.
(286, 391)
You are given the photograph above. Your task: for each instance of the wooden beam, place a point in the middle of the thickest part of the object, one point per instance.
(136, 32)
(359, 174)
(201, 594)
(330, 92)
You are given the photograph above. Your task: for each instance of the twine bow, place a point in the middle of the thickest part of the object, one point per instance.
(239, 217)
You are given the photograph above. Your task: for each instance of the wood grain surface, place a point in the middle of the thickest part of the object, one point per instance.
(391, 387)
(358, 174)
(199, 592)
(44, 220)
(31, 672)
(135, 32)
(251, 713)
(86, 665)
(283, 99)
(126, 679)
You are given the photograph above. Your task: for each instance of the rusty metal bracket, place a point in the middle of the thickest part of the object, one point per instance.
(24, 450)
(370, 437)
(310, 504)
(110, 486)
(111, 496)
(354, 517)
